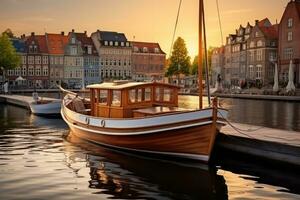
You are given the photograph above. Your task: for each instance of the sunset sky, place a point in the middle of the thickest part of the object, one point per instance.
(144, 20)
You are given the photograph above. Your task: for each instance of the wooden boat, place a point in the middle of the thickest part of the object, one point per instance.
(40, 106)
(144, 117)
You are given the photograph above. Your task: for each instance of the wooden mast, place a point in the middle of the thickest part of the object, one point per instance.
(200, 55)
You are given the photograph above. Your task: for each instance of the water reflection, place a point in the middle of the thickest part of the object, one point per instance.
(132, 177)
(273, 114)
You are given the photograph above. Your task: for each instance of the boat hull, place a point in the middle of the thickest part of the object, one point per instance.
(51, 108)
(192, 139)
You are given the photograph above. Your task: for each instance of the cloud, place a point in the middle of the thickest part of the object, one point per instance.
(229, 12)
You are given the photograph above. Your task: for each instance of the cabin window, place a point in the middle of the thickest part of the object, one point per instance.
(147, 94)
(139, 95)
(116, 98)
(132, 96)
(158, 94)
(167, 94)
(103, 97)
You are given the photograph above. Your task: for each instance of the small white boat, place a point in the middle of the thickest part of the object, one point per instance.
(40, 106)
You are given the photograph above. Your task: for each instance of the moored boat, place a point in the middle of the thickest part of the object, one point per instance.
(45, 107)
(143, 117)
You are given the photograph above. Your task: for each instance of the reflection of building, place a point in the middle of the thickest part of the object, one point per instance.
(289, 41)
(148, 61)
(115, 54)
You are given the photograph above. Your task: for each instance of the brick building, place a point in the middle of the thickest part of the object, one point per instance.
(217, 63)
(289, 41)
(148, 61)
(36, 61)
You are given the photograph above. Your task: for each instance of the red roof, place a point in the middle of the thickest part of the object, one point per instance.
(56, 43)
(149, 45)
(270, 32)
(40, 40)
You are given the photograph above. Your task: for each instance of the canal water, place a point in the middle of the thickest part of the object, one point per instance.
(40, 159)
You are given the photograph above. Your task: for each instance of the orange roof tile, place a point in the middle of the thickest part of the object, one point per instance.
(56, 43)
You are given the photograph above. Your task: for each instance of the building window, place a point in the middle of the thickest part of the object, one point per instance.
(30, 71)
(38, 60)
(89, 50)
(256, 34)
(127, 44)
(45, 60)
(251, 55)
(145, 49)
(37, 70)
(272, 56)
(258, 72)
(30, 60)
(45, 71)
(116, 43)
(73, 50)
(135, 49)
(73, 40)
(24, 70)
(251, 71)
(290, 36)
(111, 43)
(252, 44)
(259, 43)
(23, 59)
(290, 22)
(259, 55)
(288, 53)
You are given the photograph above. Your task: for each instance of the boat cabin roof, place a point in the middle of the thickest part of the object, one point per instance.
(118, 85)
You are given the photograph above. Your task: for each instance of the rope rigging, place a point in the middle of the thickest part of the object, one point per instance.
(175, 28)
(220, 24)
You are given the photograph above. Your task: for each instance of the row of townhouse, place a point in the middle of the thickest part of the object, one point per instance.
(249, 55)
(76, 60)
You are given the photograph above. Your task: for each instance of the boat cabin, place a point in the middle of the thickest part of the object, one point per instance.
(123, 99)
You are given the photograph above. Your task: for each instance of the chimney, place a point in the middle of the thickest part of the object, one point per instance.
(256, 22)
(85, 32)
(73, 30)
(32, 33)
(62, 33)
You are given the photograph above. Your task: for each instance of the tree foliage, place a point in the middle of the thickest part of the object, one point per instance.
(179, 62)
(9, 33)
(9, 58)
(194, 68)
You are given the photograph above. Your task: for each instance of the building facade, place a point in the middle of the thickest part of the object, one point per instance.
(73, 62)
(115, 55)
(289, 42)
(148, 61)
(37, 61)
(217, 63)
(91, 64)
(262, 52)
(56, 44)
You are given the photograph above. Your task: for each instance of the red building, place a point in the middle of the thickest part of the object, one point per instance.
(289, 41)
(148, 61)
(37, 61)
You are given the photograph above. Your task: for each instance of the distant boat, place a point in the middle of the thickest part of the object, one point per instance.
(39, 106)
(145, 117)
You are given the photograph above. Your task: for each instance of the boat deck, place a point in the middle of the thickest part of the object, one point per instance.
(267, 143)
(20, 100)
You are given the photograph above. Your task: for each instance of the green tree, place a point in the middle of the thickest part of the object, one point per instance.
(9, 33)
(9, 58)
(194, 68)
(179, 62)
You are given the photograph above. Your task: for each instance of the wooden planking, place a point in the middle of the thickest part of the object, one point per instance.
(195, 140)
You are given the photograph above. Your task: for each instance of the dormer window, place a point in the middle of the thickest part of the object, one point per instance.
(105, 43)
(135, 49)
(30, 49)
(256, 34)
(111, 43)
(127, 44)
(259, 43)
(34, 48)
(73, 40)
(145, 49)
(122, 44)
(156, 50)
(116, 44)
(89, 50)
(290, 22)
